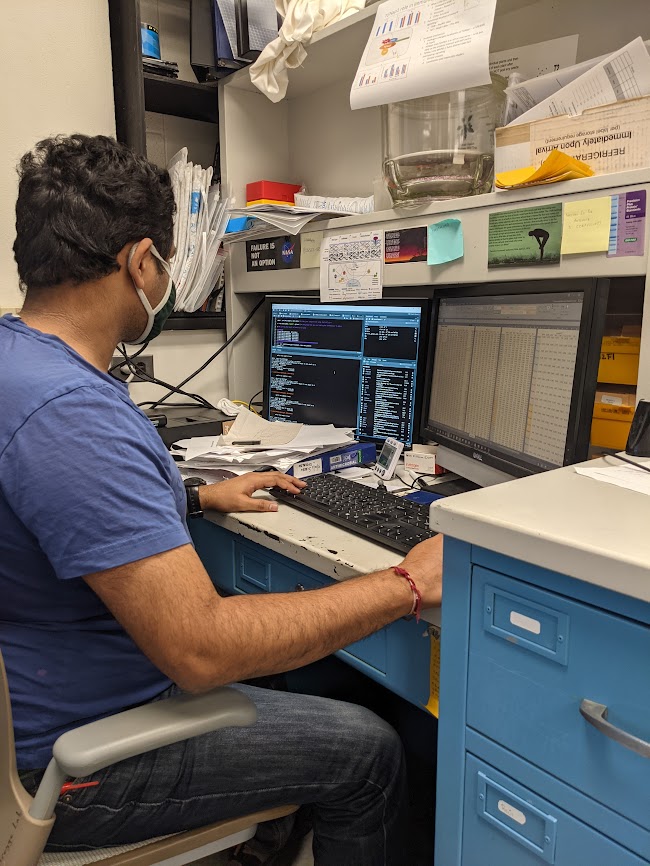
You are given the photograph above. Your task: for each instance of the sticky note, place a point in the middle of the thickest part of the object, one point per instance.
(586, 226)
(310, 244)
(445, 242)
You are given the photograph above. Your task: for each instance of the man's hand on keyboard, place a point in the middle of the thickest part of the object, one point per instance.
(236, 494)
(424, 564)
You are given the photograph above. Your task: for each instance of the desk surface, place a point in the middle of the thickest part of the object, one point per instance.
(313, 542)
(560, 520)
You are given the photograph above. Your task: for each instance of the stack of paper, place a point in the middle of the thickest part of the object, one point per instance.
(199, 226)
(289, 219)
(625, 74)
(556, 167)
(279, 444)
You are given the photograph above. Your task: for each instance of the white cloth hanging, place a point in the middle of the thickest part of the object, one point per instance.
(302, 18)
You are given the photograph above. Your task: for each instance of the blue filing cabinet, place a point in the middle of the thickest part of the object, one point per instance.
(523, 779)
(397, 656)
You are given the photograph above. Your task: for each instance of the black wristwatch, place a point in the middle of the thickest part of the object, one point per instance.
(192, 492)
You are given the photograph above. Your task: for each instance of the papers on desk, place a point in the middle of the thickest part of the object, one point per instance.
(622, 475)
(279, 444)
(199, 226)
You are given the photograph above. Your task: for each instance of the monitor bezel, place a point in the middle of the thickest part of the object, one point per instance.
(592, 324)
(424, 303)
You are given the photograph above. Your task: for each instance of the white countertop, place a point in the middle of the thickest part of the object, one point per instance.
(314, 543)
(560, 520)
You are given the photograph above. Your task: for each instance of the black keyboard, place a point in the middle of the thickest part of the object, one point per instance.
(375, 514)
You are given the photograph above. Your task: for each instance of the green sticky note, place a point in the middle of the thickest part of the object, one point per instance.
(445, 242)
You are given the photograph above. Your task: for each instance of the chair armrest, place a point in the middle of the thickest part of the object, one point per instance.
(99, 744)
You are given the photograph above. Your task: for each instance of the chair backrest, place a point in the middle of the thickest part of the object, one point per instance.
(22, 838)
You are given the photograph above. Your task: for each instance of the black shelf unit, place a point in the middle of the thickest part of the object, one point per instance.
(181, 98)
(196, 322)
(136, 91)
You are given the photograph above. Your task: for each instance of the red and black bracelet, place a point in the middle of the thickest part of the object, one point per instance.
(417, 598)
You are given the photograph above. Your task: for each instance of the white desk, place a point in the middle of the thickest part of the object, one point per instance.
(313, 543)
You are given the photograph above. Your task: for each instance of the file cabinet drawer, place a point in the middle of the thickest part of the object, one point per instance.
(506, 824)
(534, 657)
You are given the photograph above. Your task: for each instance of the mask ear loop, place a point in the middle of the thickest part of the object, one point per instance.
(143, 300)
(154, 252)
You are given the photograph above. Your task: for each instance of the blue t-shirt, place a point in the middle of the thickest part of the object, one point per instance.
(86, 484)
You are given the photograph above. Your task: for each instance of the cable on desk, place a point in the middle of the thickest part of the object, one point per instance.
(221, 349)
(631, 462)
(250, 402)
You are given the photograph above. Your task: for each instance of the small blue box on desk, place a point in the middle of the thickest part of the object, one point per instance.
(338, 458)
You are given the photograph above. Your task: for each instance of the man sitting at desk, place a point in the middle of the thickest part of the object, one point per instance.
(105, 604)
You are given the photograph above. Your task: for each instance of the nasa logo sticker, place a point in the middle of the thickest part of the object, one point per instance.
(288, 252)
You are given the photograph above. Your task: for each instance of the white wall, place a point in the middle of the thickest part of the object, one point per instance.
(55, 68)
(55, 65)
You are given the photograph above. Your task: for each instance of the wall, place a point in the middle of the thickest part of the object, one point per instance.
(55, 65)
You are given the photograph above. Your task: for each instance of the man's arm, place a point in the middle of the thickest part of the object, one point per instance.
(169, 606)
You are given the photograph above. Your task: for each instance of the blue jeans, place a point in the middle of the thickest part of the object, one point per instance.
(340, 758)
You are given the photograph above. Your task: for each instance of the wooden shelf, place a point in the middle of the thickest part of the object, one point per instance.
(181, 98)
(196, 322)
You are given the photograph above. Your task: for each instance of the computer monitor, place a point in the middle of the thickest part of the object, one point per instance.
(353, 365)
(511, 375)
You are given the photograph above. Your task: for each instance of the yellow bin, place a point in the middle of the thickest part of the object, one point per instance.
(619, 360)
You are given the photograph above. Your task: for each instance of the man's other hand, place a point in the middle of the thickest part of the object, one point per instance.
(236, 494)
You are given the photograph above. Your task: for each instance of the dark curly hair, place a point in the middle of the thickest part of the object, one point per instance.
(80, 200)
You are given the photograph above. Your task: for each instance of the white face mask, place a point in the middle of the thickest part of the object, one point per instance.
(158, 315)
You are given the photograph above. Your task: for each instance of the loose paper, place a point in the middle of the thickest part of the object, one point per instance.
(351, 266)
(622, 476)
(586, 226)
(538, 59)
(310, 244)
(445, 242)
(423, 47)
(527, 236)
(625, 74)
(627, 230)
(529, 93)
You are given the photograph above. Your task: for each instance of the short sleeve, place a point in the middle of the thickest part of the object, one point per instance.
(89, 477)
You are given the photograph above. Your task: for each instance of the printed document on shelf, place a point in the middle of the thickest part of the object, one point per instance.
(537, 59)
(351, 266)
(424, 47)
(625, 74)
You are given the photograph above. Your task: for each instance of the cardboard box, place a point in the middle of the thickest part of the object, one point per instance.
(421, 459)
(609, 138)
(619, 360)
(612, 417)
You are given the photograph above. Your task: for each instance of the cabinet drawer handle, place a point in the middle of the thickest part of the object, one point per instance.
(596, 715)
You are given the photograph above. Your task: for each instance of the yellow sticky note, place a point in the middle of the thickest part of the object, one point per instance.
(586, 226)
(434, 672)
(310, 244)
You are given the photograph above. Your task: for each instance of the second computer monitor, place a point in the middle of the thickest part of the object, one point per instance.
(512, 373)
(352, 365)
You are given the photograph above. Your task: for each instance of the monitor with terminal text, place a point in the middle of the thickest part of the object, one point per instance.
(350, 364)
(511, 375)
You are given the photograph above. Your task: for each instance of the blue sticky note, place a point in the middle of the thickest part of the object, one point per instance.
(445, 242)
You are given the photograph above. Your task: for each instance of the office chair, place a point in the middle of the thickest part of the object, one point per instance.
(26, 822)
